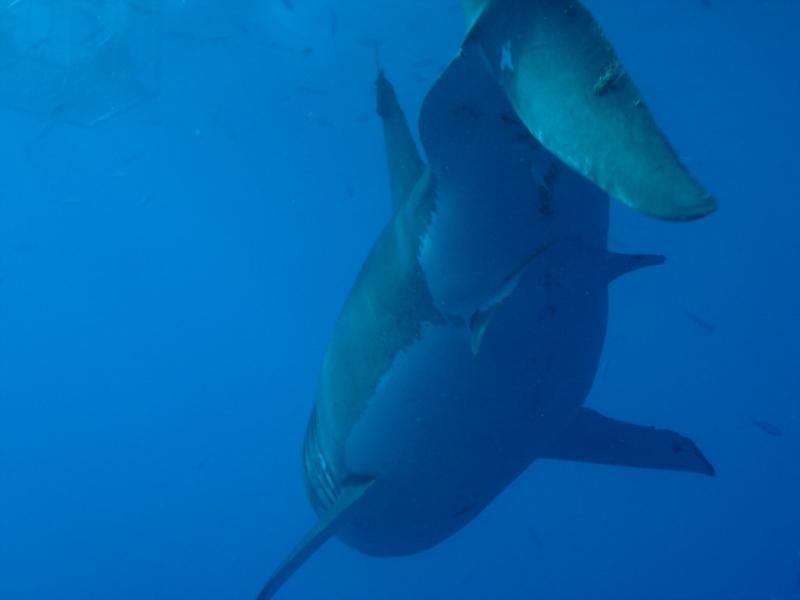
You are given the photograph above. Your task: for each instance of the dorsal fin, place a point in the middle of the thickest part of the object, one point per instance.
(569, 88)
(402, 157)
(327, 526)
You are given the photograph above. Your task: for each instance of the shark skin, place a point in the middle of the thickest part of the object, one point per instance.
(573, 94)
(471, 337)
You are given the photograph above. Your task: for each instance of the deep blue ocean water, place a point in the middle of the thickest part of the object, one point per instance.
(169, 278)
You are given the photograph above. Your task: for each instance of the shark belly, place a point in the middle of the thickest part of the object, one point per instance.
(447, 430)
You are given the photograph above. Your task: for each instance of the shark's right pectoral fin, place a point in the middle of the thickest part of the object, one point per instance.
(325, 528)
(595, 438)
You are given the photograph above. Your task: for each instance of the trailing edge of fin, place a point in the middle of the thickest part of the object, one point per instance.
(327, 527)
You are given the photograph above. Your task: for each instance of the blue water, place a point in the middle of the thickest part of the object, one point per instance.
(169, 279)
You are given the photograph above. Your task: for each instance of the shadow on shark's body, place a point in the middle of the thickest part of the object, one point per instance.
(470, 339)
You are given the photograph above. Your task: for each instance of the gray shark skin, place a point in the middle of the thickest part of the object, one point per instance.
(471, 337)
(571, 91)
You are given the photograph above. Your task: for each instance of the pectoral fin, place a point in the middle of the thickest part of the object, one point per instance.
(573, 94)
(594, 438)
(318, 535)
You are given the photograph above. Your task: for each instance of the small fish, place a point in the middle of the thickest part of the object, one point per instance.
(767, 428)
(701, 323)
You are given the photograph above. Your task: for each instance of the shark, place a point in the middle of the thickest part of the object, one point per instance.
(469, 342)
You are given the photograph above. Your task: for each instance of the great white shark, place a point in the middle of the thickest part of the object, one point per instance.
(471, 337)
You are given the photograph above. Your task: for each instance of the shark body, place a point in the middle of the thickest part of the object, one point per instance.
(471, 337)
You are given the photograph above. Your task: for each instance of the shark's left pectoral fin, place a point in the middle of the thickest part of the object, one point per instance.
(594, 438)
(574, 95)
(327, 527)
